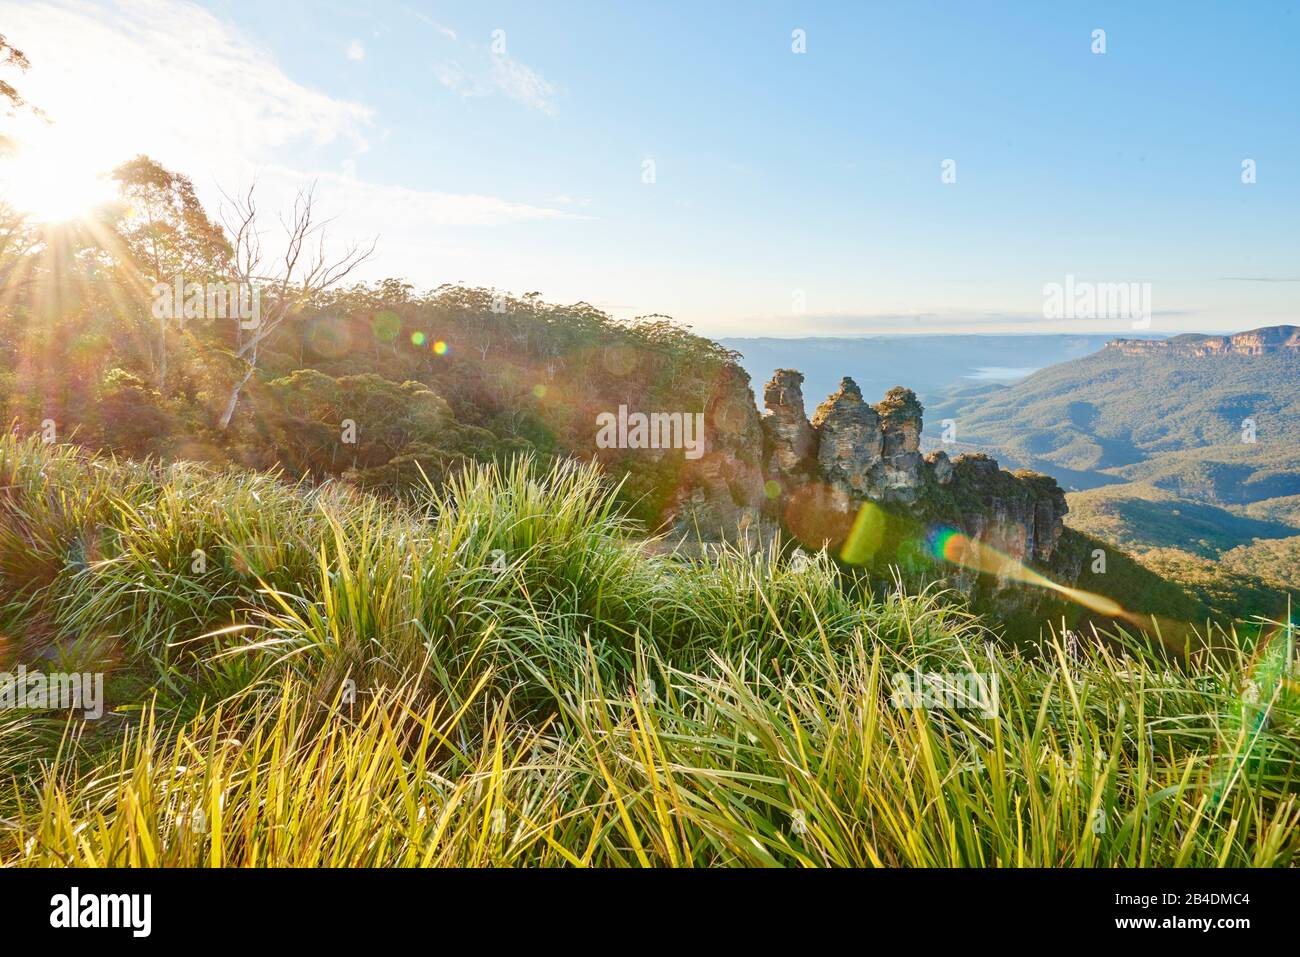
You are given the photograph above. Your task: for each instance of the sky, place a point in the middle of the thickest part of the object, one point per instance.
(687, 159)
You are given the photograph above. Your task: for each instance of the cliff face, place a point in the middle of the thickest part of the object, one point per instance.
(1257, 342)
(900, 424)
(720, 496)
(1019, 514)
(849, 442)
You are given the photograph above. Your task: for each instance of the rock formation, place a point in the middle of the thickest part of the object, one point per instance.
(940, 466)
(870, 452)
(790, 446)
(900, 422)
(849, 442)
(853, 481)
(811, 478)
(1019, 514)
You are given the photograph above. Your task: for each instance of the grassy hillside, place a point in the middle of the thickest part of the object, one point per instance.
(499, 674)
(376, 383)
(1284, 509)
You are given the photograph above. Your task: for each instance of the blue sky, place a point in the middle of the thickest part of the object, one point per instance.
(793, 193)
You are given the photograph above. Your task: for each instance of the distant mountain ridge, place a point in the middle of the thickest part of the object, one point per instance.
(1256, 342)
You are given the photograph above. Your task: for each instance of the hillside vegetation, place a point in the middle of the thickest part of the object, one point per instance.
(364, 593)
(428, 380)
(1108, 411)
(1139, 515)
(1155, 449)
(498, 674)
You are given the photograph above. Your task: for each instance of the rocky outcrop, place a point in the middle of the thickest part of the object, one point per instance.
(852, 481)
(900, 423)
(872, 453)
(850, 444)
(1256, 342)
(940, 466)
(790, 448)
(867, 451)
(812, 477)
(1020, 514)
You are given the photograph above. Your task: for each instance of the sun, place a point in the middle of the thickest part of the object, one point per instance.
(52, 180)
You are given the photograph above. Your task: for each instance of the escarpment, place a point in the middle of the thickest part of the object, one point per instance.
(1256, 342)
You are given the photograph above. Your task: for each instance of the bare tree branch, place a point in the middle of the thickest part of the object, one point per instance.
(305, 271)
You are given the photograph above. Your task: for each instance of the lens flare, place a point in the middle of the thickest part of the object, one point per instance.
(952, 546)
(329, 337)
(865, 536)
